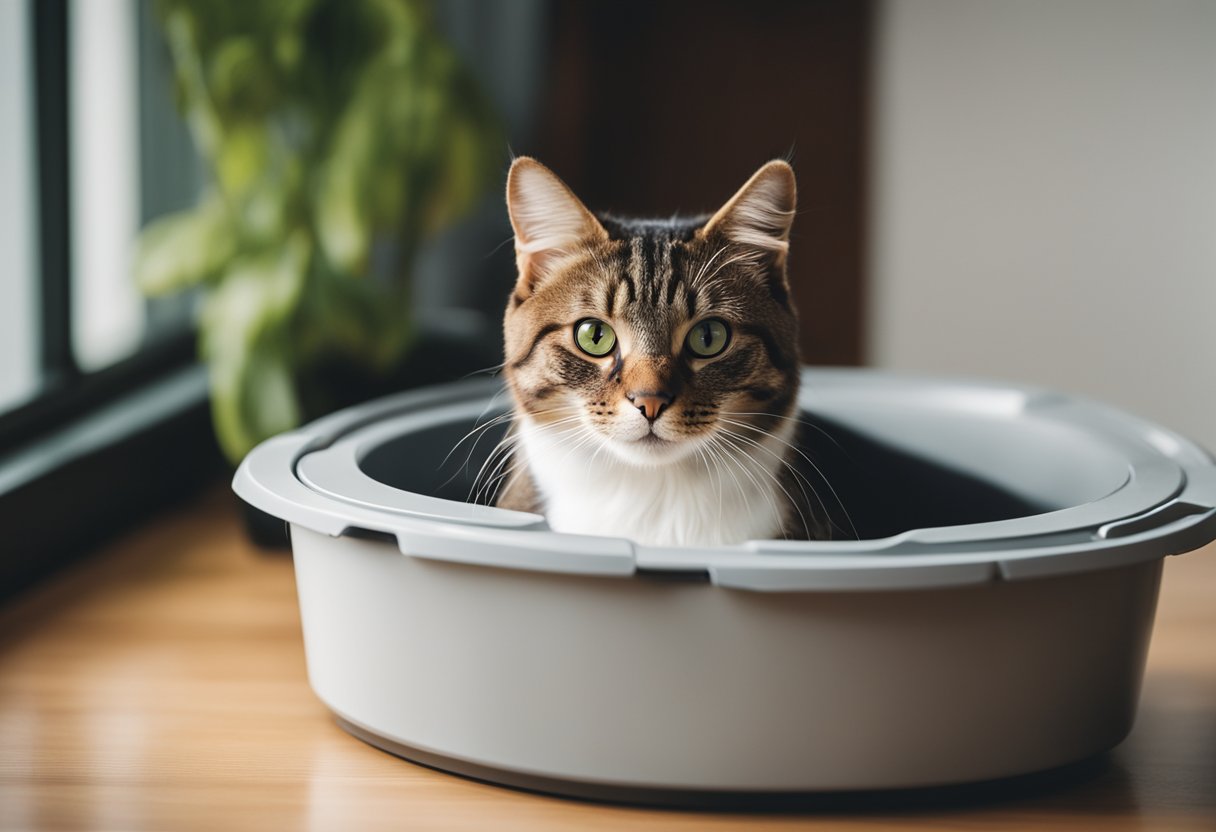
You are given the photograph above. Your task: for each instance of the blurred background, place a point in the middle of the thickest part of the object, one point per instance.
(220, 219)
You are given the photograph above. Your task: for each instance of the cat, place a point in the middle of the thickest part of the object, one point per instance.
(654, 368)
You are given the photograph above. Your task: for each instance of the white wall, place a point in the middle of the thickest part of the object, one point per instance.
(1045, 198)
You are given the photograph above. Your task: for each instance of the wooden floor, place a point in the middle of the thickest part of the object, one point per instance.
(161, 686)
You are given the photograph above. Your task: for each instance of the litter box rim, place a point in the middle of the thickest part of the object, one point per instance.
(1165, 506)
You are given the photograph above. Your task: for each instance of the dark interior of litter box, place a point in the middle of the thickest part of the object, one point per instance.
(884, 489)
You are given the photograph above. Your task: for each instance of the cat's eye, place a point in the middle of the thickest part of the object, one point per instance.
(594, 337)
(708, 338)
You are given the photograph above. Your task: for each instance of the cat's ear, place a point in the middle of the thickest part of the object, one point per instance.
(548, 219)
(760, 214)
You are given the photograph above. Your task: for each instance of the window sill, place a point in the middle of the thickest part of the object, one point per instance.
(75, 486)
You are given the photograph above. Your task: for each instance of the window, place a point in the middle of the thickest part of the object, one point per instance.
(19, 371)
(90, 90)
(95, 381)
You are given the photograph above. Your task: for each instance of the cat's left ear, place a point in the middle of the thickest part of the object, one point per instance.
(760, 214)
(548, 219)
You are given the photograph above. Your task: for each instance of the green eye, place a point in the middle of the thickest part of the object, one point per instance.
(594, 337)
(708, 338)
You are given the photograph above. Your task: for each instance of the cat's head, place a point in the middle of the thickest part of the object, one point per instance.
(649, 337)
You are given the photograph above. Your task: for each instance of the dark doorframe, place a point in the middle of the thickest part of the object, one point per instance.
(653, 107)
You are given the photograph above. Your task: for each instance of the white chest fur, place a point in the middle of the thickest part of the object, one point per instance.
(702, 499)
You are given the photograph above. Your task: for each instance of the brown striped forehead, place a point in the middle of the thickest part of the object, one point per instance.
(651, 270)
(657, 278)
(652, 293)
(660, 281)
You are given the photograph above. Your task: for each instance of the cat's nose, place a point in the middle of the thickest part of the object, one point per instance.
(650, 403)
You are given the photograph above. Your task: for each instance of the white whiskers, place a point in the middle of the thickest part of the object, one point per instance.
(795, 449)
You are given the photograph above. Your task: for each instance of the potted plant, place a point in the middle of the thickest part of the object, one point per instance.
(339, 135)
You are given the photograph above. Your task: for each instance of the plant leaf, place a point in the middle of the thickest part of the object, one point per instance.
(182, 250)
(243, 329)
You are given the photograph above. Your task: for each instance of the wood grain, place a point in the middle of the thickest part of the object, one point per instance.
(162, 686)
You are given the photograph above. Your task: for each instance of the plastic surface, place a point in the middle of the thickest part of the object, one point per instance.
(658, 685)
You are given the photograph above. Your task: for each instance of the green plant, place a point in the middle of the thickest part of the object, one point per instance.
(339, 134)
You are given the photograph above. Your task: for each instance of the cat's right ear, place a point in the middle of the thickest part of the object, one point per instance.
(548, 219)
(759, 216)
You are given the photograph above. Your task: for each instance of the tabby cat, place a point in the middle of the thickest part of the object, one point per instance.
(654, 368)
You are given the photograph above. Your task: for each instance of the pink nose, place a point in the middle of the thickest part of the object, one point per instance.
(651, 404)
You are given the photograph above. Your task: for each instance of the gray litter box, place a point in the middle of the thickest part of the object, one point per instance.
(1004, 638)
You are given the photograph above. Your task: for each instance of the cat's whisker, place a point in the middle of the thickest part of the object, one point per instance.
(505, 446)
(798, 479)
(494, 473)
(463, 468)
(711, 472)
(480, 431)
(798, 476)
(744, 458)
(602, 445)
(705, 266)
(496, 248)
(492, 370)
(509, 465)
(722, 456)
(727, 262)
(740, 459)
(480, 426)
(794, 419)
(811, 462)
(506, 465)
(583, 437)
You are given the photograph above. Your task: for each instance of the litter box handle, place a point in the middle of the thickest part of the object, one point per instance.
(537, 551)
(1198, 497)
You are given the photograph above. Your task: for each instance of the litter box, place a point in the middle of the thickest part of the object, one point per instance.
(1005, 635)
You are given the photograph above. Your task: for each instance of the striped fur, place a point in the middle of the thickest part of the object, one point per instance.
(714, 467)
